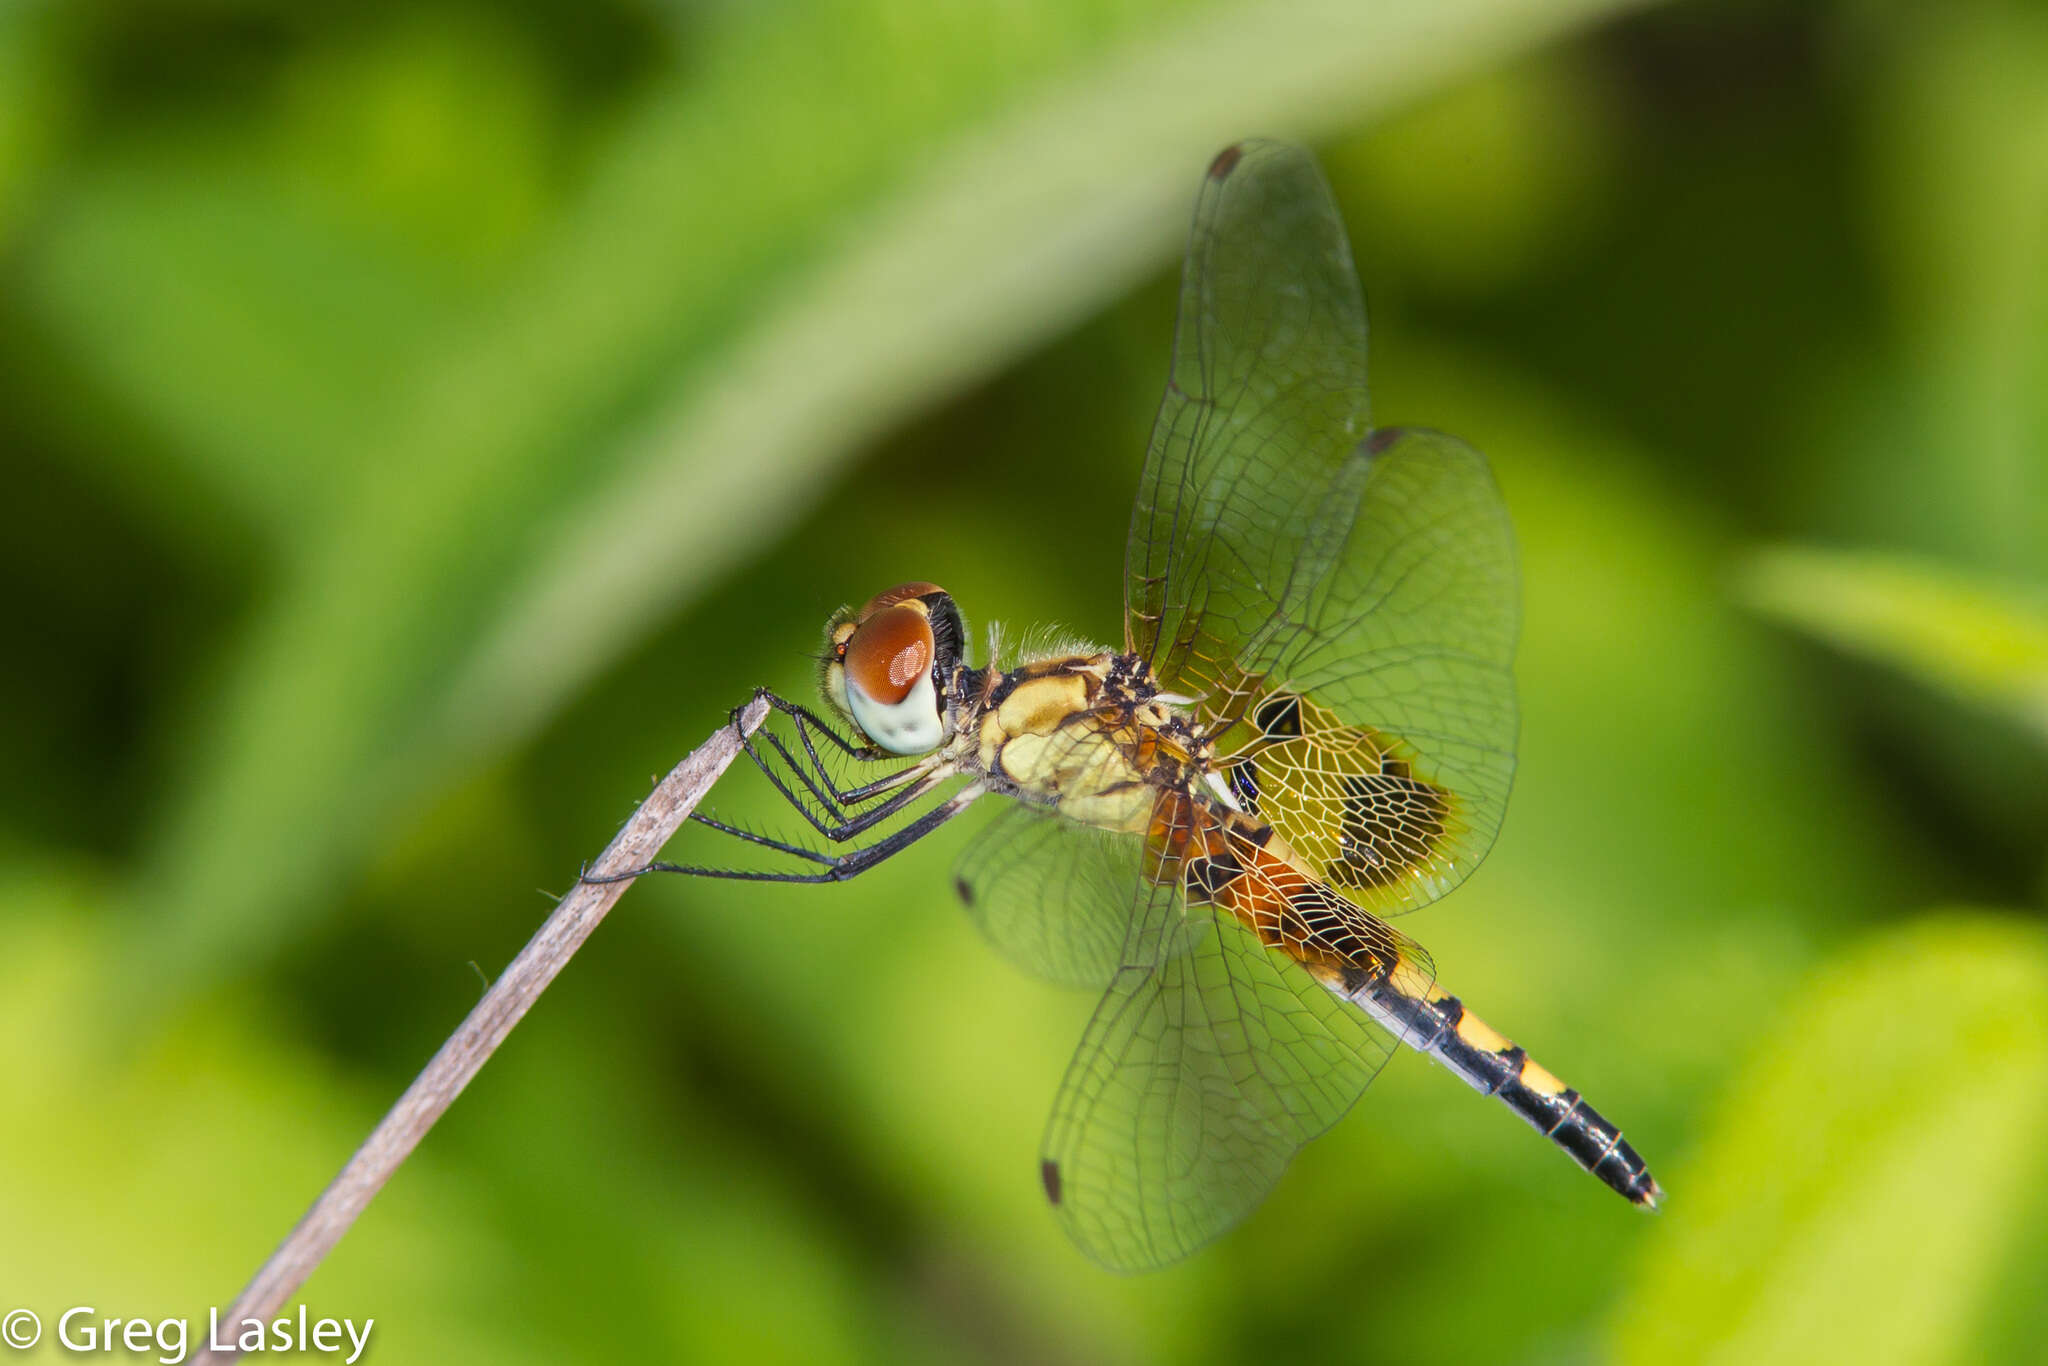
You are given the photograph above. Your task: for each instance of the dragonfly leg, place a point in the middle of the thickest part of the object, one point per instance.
(835, 824)
(851, 827)
(829, 796)
(803, 716)
(808, 723)
(824, 793)
(832, 867)
(815, 779)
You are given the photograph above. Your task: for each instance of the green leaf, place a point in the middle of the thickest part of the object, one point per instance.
(1966, 634)
(1862, 1190)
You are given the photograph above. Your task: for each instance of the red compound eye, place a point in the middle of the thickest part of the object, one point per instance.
(889, 652)
(902, 592)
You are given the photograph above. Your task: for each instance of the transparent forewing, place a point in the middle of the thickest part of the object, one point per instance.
(1210, 1061)
(1052, 894)
(1381, 741)
(1233, 526)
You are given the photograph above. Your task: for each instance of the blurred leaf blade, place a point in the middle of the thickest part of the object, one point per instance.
(329, 718)
(258, 299)
(35, 106)
(1965, 634)
(249, 337)
(1964, 190)
(1904, 1090)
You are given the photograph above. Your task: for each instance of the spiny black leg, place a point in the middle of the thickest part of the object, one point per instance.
(823, 787)
(808, 721)
(829, 795)
(837, 823)
(915, 780)
(769, 841)
(875, 815)
(867, 820)
(838, 867)
(805, 723)
(766, 841)
(832, 809)
(802, 714)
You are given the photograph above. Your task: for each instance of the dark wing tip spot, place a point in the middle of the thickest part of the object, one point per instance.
(1049, 1173)
(1383, 438)
(1226, 161)
(965, 892)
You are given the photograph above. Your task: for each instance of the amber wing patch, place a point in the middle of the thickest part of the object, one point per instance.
(1347, 799)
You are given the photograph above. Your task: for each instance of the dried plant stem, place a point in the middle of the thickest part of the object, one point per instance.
(466, 1051)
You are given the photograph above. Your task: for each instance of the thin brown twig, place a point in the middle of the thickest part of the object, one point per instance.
(471, 1045)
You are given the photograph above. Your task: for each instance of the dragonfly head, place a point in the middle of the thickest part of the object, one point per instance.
(887, 665)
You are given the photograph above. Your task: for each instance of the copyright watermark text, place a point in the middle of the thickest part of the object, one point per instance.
(83, 1328)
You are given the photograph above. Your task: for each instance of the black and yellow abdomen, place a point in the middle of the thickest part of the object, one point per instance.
(1434, 1022)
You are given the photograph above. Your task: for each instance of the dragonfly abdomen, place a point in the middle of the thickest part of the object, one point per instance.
(1438, 1024)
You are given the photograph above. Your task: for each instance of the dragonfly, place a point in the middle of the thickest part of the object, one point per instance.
(1309, 729)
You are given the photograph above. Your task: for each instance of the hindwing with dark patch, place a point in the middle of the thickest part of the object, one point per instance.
(1346, 798)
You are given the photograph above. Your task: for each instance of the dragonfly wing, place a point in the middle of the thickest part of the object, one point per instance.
(1210, 1061)
(1381, 741)
(1233, 527)
(1052, 894)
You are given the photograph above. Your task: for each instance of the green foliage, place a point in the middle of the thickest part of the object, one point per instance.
(425, 421)
(1861, 1188)
(1981, 641)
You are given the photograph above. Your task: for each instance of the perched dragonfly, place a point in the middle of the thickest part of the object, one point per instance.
(1310, 727)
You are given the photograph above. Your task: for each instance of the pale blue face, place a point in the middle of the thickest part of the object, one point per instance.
(914, 725)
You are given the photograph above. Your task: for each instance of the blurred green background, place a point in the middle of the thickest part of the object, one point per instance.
(423, 421)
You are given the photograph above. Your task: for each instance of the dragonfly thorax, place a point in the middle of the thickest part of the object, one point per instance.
(1090, 733)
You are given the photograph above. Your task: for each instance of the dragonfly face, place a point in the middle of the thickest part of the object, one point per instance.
(1310, 728)
(885, 665)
